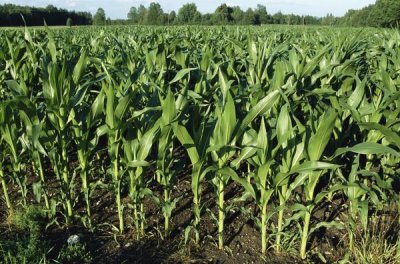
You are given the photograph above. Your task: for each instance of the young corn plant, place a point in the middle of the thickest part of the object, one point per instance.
(165, 157)
(3, 182)
(197, 156)
(259, 152)
(32, 140)
(315, 144)
(195, 143)
(115, 110)
(11, 133)
(61, 96)
(360, 196)
(84, 124)
(291, 152)
(222, 150)
(137, 144)
(227, 132)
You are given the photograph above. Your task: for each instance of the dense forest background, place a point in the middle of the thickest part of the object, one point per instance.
(384, 13)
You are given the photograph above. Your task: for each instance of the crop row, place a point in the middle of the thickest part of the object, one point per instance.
(296, 117)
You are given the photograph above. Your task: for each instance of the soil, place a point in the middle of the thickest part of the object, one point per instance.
(242, 238)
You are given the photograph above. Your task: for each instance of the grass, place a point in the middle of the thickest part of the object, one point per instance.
(380, 243)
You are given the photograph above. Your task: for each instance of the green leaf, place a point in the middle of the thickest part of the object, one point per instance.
(138, 163)
(79, 68)
(187, 142)
(182, 73)
(260, 108)
(304, 168)
(320, 139)
(246, 185)
(368, 148)
(390, 135)
(284, 125)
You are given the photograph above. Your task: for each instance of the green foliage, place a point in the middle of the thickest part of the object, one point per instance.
(384, 13)
(296, 117)
(188, 14)
(10, 16)
(32, 219)
(154, 15)
(75, 254)
(100, 17)
(27, 244)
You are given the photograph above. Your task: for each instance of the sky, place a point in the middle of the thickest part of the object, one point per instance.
(119, 8)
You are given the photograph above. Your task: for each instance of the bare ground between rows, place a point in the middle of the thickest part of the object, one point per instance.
(241, 236)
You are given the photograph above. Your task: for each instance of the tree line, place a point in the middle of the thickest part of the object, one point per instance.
(223, 15)
(14, 15)
(384, 13)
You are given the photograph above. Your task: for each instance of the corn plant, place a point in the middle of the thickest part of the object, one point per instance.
(316, 144)
(137, 146)
(297, 118)
(3, 154)
(11, 131)
(165, 158)
(32, 139)
(115, 110)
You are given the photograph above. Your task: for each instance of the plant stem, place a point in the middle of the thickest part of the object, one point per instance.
(118, 196)
(142, 219)
(85, 187)
(304, 236)
(41, 174)
(221, 217)
(166, 216)
(66, 178)
(280, 218)
(5, 190)
(196, 210)
(136, 219)
(264, 229)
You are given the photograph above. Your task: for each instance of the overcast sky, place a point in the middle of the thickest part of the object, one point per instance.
(120, 8)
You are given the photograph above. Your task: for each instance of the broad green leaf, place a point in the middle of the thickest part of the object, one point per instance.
(318, 141)
(182, 73)
(368, 148)
(260, 108)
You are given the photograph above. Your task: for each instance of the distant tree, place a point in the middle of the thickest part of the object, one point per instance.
(249, 17)
(223, 14)
(188, 14)
(155, 14)
(278, 18)
(100, 17)
(171, 17)
(263, 15)
(142, 11)
(328, 20)
(133, 16)
(69, 22)
(310, 20)
(207, 19)
(237, 15)
(10, 15)
(386, 13)
(51, 9)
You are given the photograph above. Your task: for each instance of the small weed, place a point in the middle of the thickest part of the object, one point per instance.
(380, 244)
(75, 253)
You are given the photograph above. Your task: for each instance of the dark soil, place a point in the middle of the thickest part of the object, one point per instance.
(242, 238)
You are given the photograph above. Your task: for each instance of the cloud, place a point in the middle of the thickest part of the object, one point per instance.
(71, 4)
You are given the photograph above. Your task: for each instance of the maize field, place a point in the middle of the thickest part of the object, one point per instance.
(294, 129)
